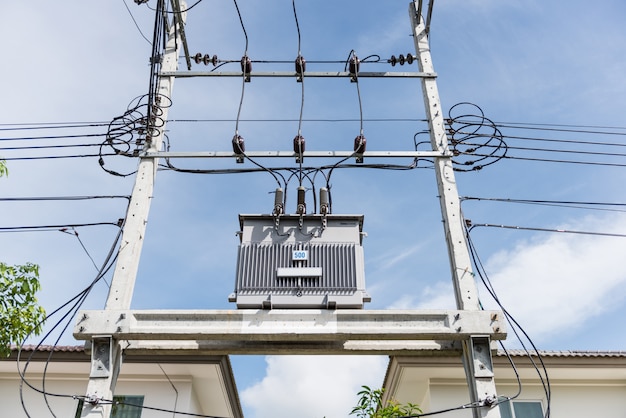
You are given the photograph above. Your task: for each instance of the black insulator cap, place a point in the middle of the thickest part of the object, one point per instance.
(300, 65)
(198, 58)
(206, 60)
(393, 60)
(401, 59)
(409, 58)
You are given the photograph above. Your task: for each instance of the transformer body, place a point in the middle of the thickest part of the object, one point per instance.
(294, 261)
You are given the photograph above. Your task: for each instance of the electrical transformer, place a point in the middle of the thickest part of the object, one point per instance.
(300, 261)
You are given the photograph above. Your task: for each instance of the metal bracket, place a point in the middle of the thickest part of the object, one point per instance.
(481, 355)
(101, 355)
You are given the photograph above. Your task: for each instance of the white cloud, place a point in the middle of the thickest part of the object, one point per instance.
(559, 281)
(312, 386)
(552, 284)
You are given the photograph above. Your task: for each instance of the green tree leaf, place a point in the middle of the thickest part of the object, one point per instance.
(370, 405)
(20, 313)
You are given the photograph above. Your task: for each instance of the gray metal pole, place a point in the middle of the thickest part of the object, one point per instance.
(107, 351)
(477, 353)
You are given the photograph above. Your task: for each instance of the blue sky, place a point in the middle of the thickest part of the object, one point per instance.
(538, 62)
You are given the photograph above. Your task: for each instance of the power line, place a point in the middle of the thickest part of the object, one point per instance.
(563, 231)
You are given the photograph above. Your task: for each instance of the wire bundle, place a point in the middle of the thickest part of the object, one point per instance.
(466, 128)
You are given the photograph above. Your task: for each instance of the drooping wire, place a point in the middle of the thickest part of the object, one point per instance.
(244, 75)
(555, 203)
(78, 300)
(299, 67)
(515, 326)
(181, 11)
(135, 22)
(353, 62)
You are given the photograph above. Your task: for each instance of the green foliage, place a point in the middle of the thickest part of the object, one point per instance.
(20, 314)
(371, 406)
(4, 171)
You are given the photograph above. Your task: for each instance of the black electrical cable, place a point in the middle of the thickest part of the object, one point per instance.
(512, 321)
(544, 127)
(28, 138)
(553, 160)
(563, 231)
(552, 150)
(78, 299)
(304, 120)
(56, 157)
(245, 74)
(566, 141)
(53, 227)
(556, 203)
(135, 22)
(39, 147)
(61, 198)
(50, 125)
(244, 67)
(300, 66)
(179, 11)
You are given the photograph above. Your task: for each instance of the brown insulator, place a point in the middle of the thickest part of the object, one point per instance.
(298, 147)
(354, 64)
(246, 65)
(300, 65)
(238, 147)
(359, 147)
(359, 144)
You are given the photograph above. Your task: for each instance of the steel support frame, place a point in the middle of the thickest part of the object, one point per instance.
(480, 380)
(108, 328)
(101, 386)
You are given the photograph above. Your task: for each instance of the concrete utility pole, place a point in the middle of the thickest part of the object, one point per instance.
(295, 331)
(106, 349)
(476, 350)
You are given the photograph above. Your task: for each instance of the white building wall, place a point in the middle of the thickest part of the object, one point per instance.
(579, 399)
(159, 394)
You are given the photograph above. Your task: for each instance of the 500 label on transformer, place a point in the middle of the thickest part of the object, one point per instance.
(298, 255)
